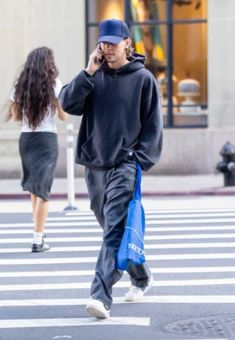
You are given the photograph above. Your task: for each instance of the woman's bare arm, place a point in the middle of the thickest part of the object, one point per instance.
(61, 113)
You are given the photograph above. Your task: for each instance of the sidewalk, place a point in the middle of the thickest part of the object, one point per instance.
(151, 186)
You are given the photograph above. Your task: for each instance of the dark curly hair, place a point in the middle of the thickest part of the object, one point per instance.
(34, 89)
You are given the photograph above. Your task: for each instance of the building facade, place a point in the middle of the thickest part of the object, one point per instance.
(188, 49)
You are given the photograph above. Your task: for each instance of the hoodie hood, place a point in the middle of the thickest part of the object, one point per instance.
(136, 62)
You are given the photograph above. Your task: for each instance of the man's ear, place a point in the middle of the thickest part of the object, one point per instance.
(128, 43)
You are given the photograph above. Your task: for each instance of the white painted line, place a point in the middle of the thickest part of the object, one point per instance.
(52, 250)
(193, 221)
(189, 245)
(148, 222)
(188, 236)
(183, 236)
(79, 213)
(85, 230)
(55, 231)
(36, 261)
(168, 211)
(66, 273)
(184, 270)
(190, 215)
(120, 284)
(154, 270)
(59, 322)
(52, 239)
(187, 228)
(197, 299)
(99, 239)
(164, 270)
(157, 216)
(70, 260)
(51, 224)
(146, 246)
(202, 299)
(72, 218)
(186, 210)
(199, 256)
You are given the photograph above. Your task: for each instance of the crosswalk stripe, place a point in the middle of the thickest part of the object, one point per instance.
(61, 273)
(68, 322)
(52, 250)
(147, 238)
(154, 270)
(148, 222)
(172, 257)
(166, 211)
(99, 230)
(146, 246)
(177, 225)
(182, 209)
(120, 284)
(198, 299)
(157, 215)
(52, 240)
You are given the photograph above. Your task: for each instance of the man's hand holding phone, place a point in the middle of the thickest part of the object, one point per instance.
(96, 58)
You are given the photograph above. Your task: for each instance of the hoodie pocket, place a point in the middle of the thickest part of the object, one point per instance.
(104, 152)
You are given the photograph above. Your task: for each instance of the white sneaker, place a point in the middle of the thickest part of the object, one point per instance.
(97, 309)
(136, 293)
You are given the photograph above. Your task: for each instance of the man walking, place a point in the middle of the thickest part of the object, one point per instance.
(121, 125)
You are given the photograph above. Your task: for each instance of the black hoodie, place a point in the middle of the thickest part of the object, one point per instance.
(121, 115)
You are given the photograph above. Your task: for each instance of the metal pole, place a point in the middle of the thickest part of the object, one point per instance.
(170, 120)
(86, 31)
(70, 169)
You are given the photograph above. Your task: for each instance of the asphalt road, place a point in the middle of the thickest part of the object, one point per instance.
(190, 247)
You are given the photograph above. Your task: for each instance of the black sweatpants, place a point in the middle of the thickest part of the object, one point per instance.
(110, 192)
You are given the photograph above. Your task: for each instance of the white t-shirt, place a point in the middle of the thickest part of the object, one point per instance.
(49, 123)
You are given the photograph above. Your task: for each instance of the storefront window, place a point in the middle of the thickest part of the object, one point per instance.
(99, 10)
(190, 66)
(172, 34)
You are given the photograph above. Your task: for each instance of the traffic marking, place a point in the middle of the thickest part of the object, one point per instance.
(172, 257)
(148, 222)
(184, 229)
(154, 270)
(146, 246)
(183, 236)
(181, 299)
(4, 230)
(68, 322)
(120, 284)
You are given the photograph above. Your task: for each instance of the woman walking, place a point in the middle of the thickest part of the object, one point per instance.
(34, 102)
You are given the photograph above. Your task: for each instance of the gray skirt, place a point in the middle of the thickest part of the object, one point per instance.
(39, 154)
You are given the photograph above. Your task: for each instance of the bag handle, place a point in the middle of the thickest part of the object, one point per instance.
(137, 193)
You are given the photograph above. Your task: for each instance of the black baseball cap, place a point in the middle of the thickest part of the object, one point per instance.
(113, 31)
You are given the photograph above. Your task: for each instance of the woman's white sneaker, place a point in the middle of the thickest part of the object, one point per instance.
(135, 294)
(97, 309)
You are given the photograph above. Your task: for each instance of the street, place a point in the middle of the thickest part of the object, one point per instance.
(190, 248)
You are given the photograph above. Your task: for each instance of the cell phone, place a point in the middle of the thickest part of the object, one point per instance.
(102, 58)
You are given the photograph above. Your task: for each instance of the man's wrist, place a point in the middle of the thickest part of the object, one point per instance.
(89, 71)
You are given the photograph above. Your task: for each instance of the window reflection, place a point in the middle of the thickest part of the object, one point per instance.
(102, 9)
(148, 39)
(189, 9)
(148, 21)
(190, 66)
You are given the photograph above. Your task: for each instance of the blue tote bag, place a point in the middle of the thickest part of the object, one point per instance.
(132, 244)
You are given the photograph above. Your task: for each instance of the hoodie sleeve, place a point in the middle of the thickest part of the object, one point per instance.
(149, 147)
(73, 96)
